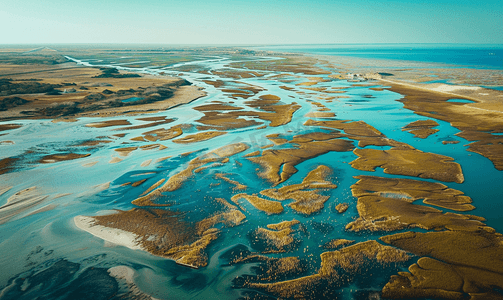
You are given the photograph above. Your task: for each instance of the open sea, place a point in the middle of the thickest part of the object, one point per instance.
(483, 56)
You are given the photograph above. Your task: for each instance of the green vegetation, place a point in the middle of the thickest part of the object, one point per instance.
(27, 60)
(94, 97)
(63, 109)
(114, 73)
(95, 101)
(10, 102)
(8, 87)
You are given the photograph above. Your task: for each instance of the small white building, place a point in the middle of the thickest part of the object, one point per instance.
(355, 77)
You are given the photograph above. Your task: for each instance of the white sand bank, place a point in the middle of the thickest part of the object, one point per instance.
(451, 88)
(116, 236)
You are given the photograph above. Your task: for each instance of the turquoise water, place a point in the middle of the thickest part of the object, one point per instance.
(437, 81)
(499, 88)
(132, 99)
(82, 189)
(460, 101)
(488, 56)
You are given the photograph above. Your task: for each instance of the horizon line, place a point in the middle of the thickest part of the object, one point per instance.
(243, 44)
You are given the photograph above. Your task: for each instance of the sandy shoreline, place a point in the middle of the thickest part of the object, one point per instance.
(488, 99)
(115, 236)
(415, 71)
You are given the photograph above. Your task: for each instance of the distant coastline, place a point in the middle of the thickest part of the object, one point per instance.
(485, 56)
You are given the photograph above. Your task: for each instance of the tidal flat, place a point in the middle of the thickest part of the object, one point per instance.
(225, 173)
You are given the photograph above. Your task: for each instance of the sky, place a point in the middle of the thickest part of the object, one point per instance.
(251, 22)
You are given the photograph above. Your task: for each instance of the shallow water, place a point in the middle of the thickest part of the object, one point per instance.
(460, 101)
(132, 99)
(93, 186)
(488, 56)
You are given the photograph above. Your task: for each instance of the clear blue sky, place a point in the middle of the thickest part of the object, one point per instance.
(251, 22)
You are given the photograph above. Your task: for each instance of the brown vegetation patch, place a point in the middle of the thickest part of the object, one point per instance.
(152, 119)
(236, 89)
(215, 83)
(387, 205)
(269, 269)
(139, 182)
(227, 121)
(81, 91)
(198, 137)
(276, 139)
(125, 151)
(279, 165)
(237, 93)
(280, 115)
(276, 114)
(364, 133)
(316, 89)
(270, 97)
(61, 157)
(353, 258)
(211, 107)
(357, 128)
(277, 240)
(306, 195)
(4, 127)
(320, 115)
(176, 181)
(7, 164)
(342, 207)
(338, 243)
(307, 83)
(153, 146)
(474, 123)
(108, 123)
(409, 162)
(450, 142)
(151, 124)
(338, 269)
(152, 187)
(293, 64)
(92, 143)
(335, 92)
(432, 193)
(287, 88)
(422, 128)
(458, 265)
(267, 206)
(238, 186)
(236, 74)
(167, 234)
(163, 134)
(251, 154)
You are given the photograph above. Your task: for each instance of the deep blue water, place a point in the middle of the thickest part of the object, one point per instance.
(478, 56)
